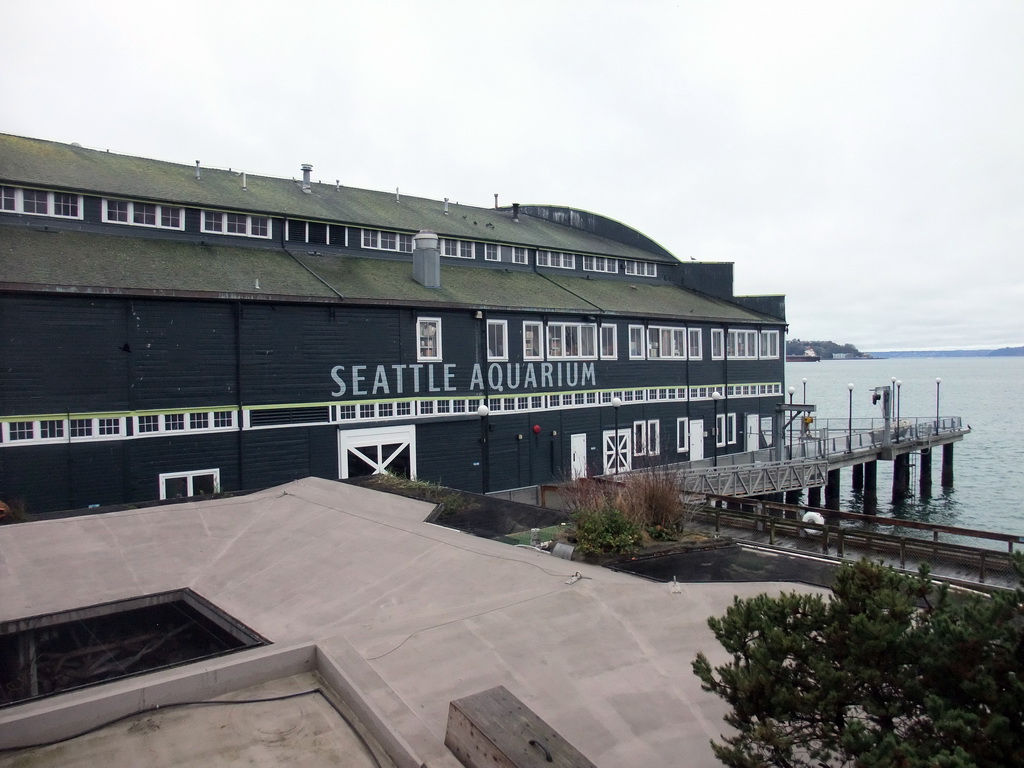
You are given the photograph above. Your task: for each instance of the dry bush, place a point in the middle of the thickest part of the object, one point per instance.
(651, 497)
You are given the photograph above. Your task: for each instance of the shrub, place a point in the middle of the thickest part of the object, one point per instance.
(605, 531)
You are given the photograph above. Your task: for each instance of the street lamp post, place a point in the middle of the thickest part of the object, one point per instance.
(898, 385)
(938, 383)
(716, 396)
(804, 380)
(482, 411)
(616, 402)
(849, 421)
(792, 391)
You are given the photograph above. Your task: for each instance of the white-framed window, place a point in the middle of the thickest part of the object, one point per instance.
(640, 268)
(600, 264)
(556, 259)
(637, 345)
(717, 344)
(383, 240)
(769, 345)
(162, 423)
(572, 340)
(647, 438)
(609, 342)
(682, 435)
(181, 485)
(48, 430)
(742, 344)
(457, 249)
(240, 224)
(520, 255)
(39, 202)
(694, 344)
(720, 430)
(143, 214)
(730, 428)
(497, 340)
(666, 343)
(491, 252)
(533, 341)
(428, 335)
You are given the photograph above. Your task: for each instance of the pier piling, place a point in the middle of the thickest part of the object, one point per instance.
(947, 465)
(871, 487)
(832, 490)
(858, 477)
(925, 473)
(900, 477)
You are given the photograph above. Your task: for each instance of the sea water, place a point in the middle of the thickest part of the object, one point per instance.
(988, 464)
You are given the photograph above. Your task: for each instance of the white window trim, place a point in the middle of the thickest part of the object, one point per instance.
(164, 476)
(614, 354)
(647, 438)
(660, 329)
(19, 203)
(682, 435)
(541, 338)
(750, 354)
(643, 342)
(520, 255)
(718, 333)
(223, 224)
(600, 264)
(730, 429)
(580, 328)
(720, 430)
(770, 353)
(699, 354)
(490, 248)
(421, 323)
(503, 325)
(640, 268)
(131, 214)
(377, 242)
(457, 248)
(556, 259)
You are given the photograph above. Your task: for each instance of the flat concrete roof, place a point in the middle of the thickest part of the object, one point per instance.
(417, 615)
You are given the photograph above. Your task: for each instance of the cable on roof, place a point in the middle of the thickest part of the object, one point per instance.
(225, 702)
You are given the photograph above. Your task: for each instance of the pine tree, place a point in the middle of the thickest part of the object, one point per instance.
(893, 670)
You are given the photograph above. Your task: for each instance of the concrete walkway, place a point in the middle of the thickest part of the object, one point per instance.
(426, 614)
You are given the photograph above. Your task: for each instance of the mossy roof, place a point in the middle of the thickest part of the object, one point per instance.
(51, 260)
(52, 165)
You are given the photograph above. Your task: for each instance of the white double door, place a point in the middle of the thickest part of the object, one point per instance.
(377, 450)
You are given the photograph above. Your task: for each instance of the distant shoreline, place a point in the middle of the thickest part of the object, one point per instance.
(1002, 352)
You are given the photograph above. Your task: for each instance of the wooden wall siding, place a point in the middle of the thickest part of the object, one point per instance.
(277, 456)
(183, 355)
(287, 352)
(449, 453)
(193, 222)
(49, 478)
(147, 459)
(62, 355)
(92, 210)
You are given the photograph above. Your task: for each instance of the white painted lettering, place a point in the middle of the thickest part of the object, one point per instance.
(399, 378)
(530, 379)
(380, 381)
(588, 375)
(510, 380)
(358, 379)
(545, 375)
(476, 381)
(494, 377)
(572, 374)
(415, 368)
(449, 374)
(430, 380)
(336, 373)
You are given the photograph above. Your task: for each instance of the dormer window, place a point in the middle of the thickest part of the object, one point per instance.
(556, 259)
(143, 214)
(240, 224)
(640, 268)
(38, 202)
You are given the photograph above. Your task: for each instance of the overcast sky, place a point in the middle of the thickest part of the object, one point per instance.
(864, 158)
